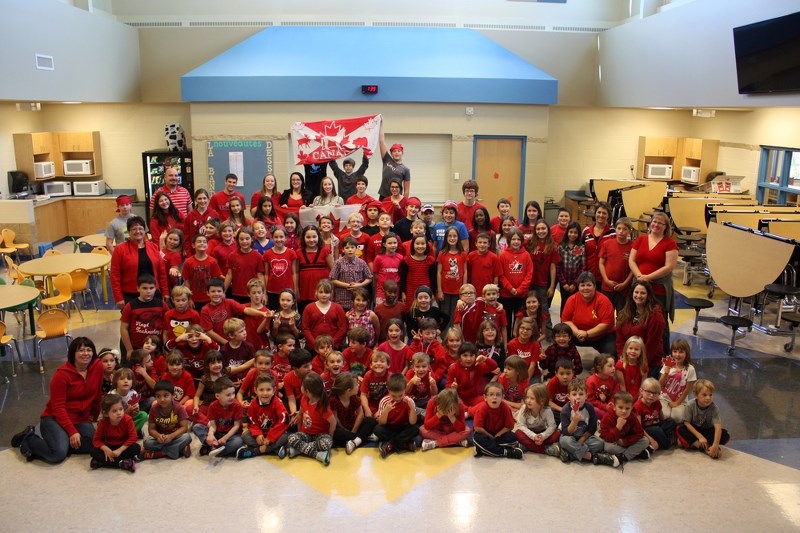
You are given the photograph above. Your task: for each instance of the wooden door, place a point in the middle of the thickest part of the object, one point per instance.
(500, 172)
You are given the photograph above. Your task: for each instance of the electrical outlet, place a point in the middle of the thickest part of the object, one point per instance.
(631, 168)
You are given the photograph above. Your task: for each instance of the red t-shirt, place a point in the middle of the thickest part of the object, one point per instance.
(650, 260)
(291, 385)
(357, 365)
(632, 377)
(541, 264)
(559, 394)
(453, 267)
(312, 268)
(221, 252)
(386, 267)
(212, 317)
(278, 269)
(251, 323)
(650, 414)
(398, 416)
(375, 389)
(184, 385)
(313, 421)
(586, 315)
(465, 213)
(530, 351)
(397, 357)
(177, 322)
(493, 420)
(198, 273)
(225, 417)
(384, 312)
(483, 269)
(244, 267)
(616, 259)
(418, 273)
(143, 319)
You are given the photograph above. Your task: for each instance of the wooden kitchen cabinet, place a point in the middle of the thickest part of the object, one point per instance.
(85, 217)
(50, 221)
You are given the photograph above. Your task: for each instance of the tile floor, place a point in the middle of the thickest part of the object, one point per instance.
(756, 485)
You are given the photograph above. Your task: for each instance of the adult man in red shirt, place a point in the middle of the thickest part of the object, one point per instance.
(180, 196)
(219, 202)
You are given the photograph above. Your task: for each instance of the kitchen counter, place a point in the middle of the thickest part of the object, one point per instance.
(60, 216)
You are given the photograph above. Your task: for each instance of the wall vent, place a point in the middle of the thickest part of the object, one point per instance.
(416, 24)
(44, 62)
(230, 23)
(313, 23)
(579, 29)
(504, 27)
(143, 24)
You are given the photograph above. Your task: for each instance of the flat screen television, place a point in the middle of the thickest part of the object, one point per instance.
(768, 55)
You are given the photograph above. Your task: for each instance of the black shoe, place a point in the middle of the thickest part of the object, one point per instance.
(17, 439)
(605, 458)
(645, 454)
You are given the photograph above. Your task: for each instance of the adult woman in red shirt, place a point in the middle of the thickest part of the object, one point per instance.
(66, 426)
(590, 315)
(642, 317)
(295, 197)
(653, 258)
(135, 257)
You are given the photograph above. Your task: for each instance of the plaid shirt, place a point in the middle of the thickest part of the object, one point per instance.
(573, 262)
(353, 270)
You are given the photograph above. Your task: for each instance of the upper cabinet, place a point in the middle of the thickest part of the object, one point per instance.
(677, 152)
(57, 147)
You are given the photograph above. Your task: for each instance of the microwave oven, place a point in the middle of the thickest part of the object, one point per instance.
(79, 167)
(690, 174)
(58, 188)
(43, 170)
(658, 172)
(89, 188)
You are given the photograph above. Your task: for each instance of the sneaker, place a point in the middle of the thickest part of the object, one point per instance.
(605, 458)
(385, 448)
(94, 464)
(17, 439)
(245, 452)
(128, 465)
(464, 443)
(151, 454)
(293, 452)
(478, 452)
(216, 451)
(187, 451)
(373, 438)
(645, 455)
(205, 449)
(428, 444)
(514, 453)
(281, 452)
(411, 447)
(324, 457)
(350, 447)
(564, 456)
(553, 450)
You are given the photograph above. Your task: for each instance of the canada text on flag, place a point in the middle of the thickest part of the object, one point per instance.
(327, 140)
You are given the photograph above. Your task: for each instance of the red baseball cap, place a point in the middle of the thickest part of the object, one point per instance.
(396, 146)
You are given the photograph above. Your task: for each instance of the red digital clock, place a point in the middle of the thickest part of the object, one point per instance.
(369, 89)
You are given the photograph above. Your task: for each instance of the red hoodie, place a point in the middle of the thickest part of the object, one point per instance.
(74, 399)
(517, 268)
(630, 433)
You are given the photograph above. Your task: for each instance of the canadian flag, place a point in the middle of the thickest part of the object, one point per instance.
(327, 140)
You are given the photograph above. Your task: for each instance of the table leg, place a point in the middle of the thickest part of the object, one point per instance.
(30, 316)
(103, 275)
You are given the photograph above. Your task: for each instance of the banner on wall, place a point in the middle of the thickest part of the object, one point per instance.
(328, 140)
(339, 214)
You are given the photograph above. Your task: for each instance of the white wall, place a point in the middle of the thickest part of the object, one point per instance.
(684, 57)
(96, 58)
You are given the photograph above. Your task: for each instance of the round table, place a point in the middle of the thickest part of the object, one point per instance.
(95, 239)
(53, 265)
(12, 296)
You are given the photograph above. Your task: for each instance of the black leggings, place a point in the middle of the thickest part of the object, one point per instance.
(342, 435)
(129, 453)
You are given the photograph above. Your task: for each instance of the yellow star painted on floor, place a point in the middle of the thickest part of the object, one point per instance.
(363, 482)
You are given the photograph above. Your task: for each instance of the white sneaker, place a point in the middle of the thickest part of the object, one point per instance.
(428, 444)
(350, 447)
(216, 451)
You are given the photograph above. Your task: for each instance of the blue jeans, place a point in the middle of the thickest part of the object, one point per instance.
(50, 442)
(172, 449)
(231, 445)
(577, 451)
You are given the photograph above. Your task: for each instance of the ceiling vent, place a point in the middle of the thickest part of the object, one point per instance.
(44, 62)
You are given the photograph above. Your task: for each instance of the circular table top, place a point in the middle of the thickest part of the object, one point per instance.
(53, 265)
(96, 239)
(15, 295)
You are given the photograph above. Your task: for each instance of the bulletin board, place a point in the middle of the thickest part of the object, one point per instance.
(250, 160)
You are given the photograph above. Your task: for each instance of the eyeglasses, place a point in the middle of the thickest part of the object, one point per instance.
(468, 293)
(650, 392)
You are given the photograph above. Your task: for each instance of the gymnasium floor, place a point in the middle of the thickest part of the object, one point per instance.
(755, 486)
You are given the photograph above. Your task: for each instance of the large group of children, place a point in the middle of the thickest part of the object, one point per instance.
(413, 334)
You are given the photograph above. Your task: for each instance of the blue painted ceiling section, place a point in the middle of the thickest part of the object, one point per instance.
(330, 64)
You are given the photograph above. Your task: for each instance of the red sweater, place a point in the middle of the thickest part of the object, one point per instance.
(123, 434)
(630, 433)
(193, 224)
(74, 399)
(469, 380)
(517, 272)
(443, 424)
(438, 354)
(125, 269)
(267, 419)
(333, 323)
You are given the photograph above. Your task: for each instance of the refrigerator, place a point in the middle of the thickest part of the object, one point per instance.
(155, 162)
